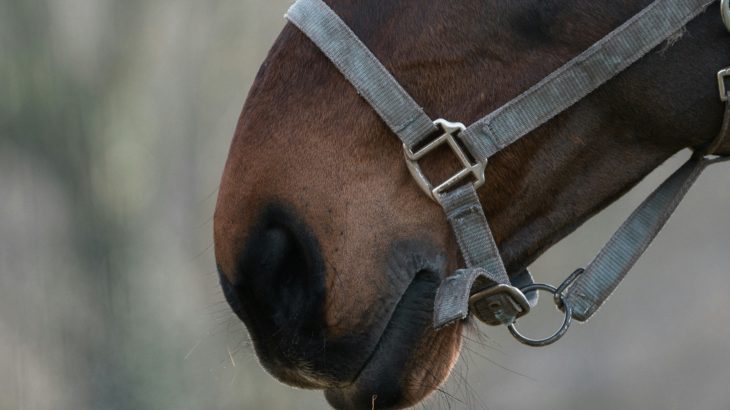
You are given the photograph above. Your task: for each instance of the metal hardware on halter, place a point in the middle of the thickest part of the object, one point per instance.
(560, 293)
(560, 302)
(725, 11)
(499, 305)
(450, 130)
(722, 76)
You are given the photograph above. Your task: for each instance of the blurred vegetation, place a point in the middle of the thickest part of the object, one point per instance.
(115, 118)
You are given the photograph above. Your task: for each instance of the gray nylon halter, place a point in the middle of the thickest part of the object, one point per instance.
(483, 287)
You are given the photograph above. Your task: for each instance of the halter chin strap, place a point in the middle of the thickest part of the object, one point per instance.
(483, 287)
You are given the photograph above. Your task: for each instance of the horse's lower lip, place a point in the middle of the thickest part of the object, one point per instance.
(382, 374)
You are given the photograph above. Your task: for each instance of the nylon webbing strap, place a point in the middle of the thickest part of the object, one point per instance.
(619, 255)
(631, 240)
(452, 297)
(481, 256)
(580, 76)
(361, 68)
(464, 213)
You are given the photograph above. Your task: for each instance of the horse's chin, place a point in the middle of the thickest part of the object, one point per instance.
(410, 360)
(376, 390)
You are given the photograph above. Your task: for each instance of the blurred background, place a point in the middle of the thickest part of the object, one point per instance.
(115, 121)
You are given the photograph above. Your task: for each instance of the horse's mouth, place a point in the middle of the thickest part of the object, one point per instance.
(391, 376)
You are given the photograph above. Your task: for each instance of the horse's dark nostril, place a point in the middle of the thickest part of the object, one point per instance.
(282, 264)
(278, 290)
(279, 260)
(279, 251)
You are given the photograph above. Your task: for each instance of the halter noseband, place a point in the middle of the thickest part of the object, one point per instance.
(483, 287)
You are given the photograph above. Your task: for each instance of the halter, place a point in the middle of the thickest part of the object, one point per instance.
(483, 287)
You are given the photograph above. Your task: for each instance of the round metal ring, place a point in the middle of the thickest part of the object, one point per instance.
(567, 308)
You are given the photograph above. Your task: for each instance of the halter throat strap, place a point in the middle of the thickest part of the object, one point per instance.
(484, 285)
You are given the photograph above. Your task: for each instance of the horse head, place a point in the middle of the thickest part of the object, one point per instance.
(331, 255)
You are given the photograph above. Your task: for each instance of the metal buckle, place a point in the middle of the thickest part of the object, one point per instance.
(500, 304)
(725, 11)
(560, 302)
(449, 129)
(722, 75)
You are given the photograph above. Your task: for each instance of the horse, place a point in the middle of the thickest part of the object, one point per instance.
(331, 255)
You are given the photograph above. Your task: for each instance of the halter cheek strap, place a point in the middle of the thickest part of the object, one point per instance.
(483, 287)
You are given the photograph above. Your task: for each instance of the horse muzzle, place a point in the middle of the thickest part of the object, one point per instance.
(278, 289)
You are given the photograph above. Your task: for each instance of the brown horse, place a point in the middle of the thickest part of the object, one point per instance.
(330, 253)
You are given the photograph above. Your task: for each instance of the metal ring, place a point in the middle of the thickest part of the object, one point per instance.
(568, 309)
(725, 11)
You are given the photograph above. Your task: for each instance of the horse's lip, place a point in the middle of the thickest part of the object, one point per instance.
(397, 315)
(382, 371)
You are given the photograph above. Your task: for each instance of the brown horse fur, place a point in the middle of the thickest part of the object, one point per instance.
(311, 159)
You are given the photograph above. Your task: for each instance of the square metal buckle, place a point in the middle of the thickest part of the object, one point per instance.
(721, 78)
(449, 131)
(500, 304)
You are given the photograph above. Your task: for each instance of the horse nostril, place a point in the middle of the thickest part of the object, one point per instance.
(282, 268)
(279, 253)
(278, 289)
